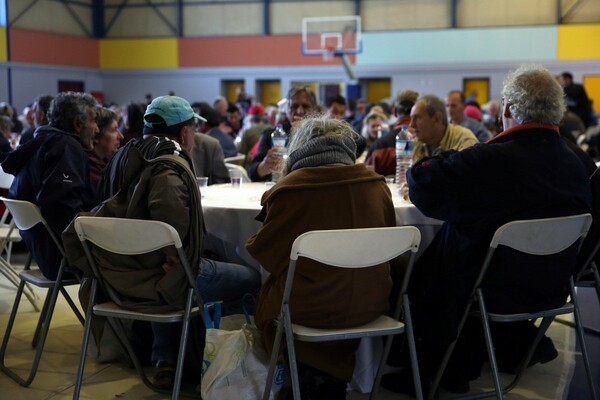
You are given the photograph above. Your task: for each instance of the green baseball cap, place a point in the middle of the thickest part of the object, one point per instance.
(174, 110)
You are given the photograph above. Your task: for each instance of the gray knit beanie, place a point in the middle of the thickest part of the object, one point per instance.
(323, 150)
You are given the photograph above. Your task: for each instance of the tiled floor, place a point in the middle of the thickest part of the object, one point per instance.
(57, 370)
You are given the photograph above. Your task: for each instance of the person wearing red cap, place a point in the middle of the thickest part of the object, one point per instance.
(252, 134)
(473, 112)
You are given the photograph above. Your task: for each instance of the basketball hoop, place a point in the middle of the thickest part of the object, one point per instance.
(329, 53)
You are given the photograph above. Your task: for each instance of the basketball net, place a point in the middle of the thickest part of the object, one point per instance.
(328, 54)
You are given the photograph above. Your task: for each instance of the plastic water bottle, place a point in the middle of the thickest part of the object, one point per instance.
(279, 137)
(404, 154)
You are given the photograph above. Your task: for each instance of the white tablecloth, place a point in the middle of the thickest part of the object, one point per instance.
(229, 217)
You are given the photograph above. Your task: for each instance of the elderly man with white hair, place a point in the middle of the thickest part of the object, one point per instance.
(526, 172)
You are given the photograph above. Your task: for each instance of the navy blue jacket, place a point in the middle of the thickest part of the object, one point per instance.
(525, 173)
(51, 171)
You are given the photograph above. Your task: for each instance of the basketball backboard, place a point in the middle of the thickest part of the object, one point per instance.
(331, 35)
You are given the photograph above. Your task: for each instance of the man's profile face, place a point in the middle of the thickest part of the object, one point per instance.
(455, 108)
(423, 125)
(87, 129)
(300, 106)
(564, 81)
(235, 118)
(373, 127)
(337, 110)
(187, 137)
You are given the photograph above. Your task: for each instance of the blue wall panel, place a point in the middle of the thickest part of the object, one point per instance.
(519, 44)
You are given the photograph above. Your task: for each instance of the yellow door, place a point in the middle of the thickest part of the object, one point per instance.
(378, 89)
(592, 87)
(232, 90)
(477, 89)
(270, 92)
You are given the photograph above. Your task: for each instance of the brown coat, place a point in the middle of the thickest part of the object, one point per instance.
(338, 197)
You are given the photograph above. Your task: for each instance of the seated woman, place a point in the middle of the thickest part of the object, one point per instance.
(324, 189)
(106, 143)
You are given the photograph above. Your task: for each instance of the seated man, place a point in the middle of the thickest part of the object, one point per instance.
(153, 179)
(208, 159)
(434, 133)
(382, 153)
(526, 172)
(52, 171)
(455, 105)
(301, 102)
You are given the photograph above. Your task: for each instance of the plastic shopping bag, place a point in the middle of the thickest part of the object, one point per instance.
(235, 364)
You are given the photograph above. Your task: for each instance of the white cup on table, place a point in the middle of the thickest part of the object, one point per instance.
(236, 178)
(202, 184)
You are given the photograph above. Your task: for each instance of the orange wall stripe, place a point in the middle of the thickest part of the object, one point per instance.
(246, 51)
(52, 48)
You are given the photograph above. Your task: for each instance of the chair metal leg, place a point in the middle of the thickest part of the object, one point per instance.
(9, 326)
(72, 305)
(289, 339)
(579, 329)
(274, 357)
(490, 345)
(40, 324)
(13, 276)
(544, 325)
(41, 330)
(442, 368)
(87, 328)
(182, 346)
(412, 348)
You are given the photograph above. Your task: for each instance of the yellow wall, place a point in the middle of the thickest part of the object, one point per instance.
(3, 56)
(270, 92)
(578, 42)
(592, 87)
(378, 89)
(139, 53)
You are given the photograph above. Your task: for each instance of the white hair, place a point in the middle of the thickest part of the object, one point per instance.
(534, 95)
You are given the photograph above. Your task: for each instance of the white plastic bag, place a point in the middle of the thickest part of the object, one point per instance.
(235, 364)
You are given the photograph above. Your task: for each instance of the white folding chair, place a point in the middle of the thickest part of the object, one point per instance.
(8, 236)
(541, 237)
(8, 233)
(237, 160)
(349, 248)
(132, 237)
(231, 167)
(27, 215)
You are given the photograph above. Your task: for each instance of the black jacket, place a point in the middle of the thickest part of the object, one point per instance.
(51, 171)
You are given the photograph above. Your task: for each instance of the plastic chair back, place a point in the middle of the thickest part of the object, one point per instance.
(5, 179)
(230, 167)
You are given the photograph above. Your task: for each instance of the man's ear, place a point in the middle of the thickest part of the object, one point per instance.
(506, 111)
(77, 125)
(183, 136)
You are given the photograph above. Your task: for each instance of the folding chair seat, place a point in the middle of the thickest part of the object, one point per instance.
(349, 248)
(132, 237)
(538, 237)
(26, 215)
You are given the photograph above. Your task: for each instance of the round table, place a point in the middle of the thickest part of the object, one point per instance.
(229, 214)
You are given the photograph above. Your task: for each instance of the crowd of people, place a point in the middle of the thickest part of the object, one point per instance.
(475, 168)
